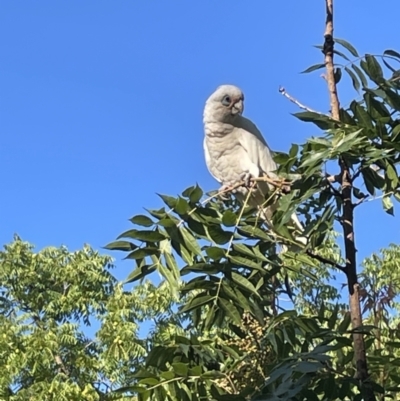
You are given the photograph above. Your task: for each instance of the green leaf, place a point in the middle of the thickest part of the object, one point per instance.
(347, 46)
(196, 194)
(368, 180)
(142, 253)
(121, 246)
(375, 70)
(320, 120)
(143, 235)
(229, 218)
(392, 175)
(196, 227)
(337, 74)
(196, 302)
(362, 116)
(376, 179)
(215, 253)
(308, 367)
(230, 310)
(168, 375)
(325, 143)
(361, 75)
(393, 98)
(181, 369)
(334, 317)
(281, 158)
(254, 232)
(139, 273)
(218, 235)
(313, 68)
(213, 374)
(168, 200)
(354, 79)
(375, 108)
(242, 300)
(186, 193)
(392, 53)
(388, 205)
(359, 194)
(241, 261)
(249, 251)
(167, 222)
(244, 283)
(315, 159)
(173, 266)
(294, 149)
(142, 220)
(190, 242)
(151, 381)
(181, 206)
(159, 214)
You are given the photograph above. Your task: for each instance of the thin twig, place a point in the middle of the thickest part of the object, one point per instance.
(326, 261)
(283, 92)
(367, 198)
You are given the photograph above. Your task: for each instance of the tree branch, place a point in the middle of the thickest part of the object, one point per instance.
(326, 261)
(328, 52)
(347, 216)
(283, 92)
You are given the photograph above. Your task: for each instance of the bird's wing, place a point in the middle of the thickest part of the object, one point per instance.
(255, 145)
(209, 162)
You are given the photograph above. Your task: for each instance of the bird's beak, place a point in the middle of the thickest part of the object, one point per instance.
(237, 106)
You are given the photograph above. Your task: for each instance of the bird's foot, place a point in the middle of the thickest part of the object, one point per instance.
(248, 183)
(224, 191)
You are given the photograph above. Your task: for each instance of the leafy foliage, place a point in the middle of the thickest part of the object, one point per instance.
(235, 317)
(235, 276)
(48, 301)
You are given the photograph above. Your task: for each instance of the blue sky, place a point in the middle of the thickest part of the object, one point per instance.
(101, 102)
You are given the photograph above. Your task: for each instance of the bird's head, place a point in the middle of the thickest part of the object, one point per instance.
(224, 104)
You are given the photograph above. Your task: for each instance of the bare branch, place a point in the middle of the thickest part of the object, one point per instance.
(283, 92)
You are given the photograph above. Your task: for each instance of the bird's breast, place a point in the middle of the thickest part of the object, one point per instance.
(223, 156)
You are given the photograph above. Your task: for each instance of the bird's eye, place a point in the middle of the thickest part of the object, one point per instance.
(226, 100)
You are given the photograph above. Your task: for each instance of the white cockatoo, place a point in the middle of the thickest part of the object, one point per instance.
(236, 151)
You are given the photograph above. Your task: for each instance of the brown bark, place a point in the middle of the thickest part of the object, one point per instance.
(347, 218)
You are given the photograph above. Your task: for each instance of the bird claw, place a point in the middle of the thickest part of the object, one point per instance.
(248, 183)
(224, 191)
(246, 177)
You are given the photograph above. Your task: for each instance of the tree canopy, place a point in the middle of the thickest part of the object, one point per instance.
(233, 317)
